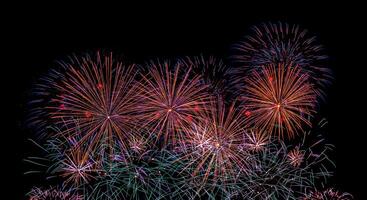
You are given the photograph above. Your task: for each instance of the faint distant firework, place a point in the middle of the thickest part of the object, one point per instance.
(282, 43)
(97, 92)
(214, 72)
(52, 194)
(171, 100)
(327, 194)
(279, 100)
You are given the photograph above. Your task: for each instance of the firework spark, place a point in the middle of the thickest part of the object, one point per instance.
(170, 102)
(276, 43)
(279, 99)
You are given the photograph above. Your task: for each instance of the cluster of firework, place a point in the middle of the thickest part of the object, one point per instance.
(187, 128)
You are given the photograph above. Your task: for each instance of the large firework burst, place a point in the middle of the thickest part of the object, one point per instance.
(276, 43)
(97, 92)
(171, 100)
(279, 100)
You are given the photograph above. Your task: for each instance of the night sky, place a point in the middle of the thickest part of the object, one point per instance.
(38, 38)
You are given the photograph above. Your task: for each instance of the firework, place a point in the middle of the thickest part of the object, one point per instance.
(271, 175)
(328, 194)
(143, 177)
(213, 145)
(255, 140)
(171, 100)
(295, 157)
(277, 43)
(279, 99)
(97, 92)
(213, 71)
(52, 194)
(77, 168)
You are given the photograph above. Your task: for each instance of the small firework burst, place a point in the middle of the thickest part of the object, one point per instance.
(77, 168)
(97, 92)
(275, 43)
(279, 99)
(171, 100)
(295, 156)
(328, 194)
(53, 194)
(255, 140)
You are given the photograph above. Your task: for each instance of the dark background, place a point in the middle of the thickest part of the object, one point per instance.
(39, 37)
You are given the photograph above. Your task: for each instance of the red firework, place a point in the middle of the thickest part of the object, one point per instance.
(279, 99)
(213, 145)
(171, 100)
(99, 94)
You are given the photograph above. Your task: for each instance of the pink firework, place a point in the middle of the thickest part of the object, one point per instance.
(279, 100)
(213, 145)
(171, 100)
(77, 168)
(97, 92)
(255, 140)
(295, 157)
(52, 194)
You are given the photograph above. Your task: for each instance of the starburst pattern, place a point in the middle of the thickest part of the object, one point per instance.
(97, 92)
(279, 100)
(171, 100)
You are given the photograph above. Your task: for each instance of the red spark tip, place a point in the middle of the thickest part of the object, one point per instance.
(247, 113)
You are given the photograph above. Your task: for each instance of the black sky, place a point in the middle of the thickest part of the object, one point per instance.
(39, 37)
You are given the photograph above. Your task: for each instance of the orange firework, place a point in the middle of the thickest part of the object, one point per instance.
(170, 102)
(98, 94)
(279, 99)
(213, 145)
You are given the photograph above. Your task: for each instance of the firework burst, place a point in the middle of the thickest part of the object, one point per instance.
(171, 100)
(213, 145)
(276, 43)
(279, 100)
(97, 92)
